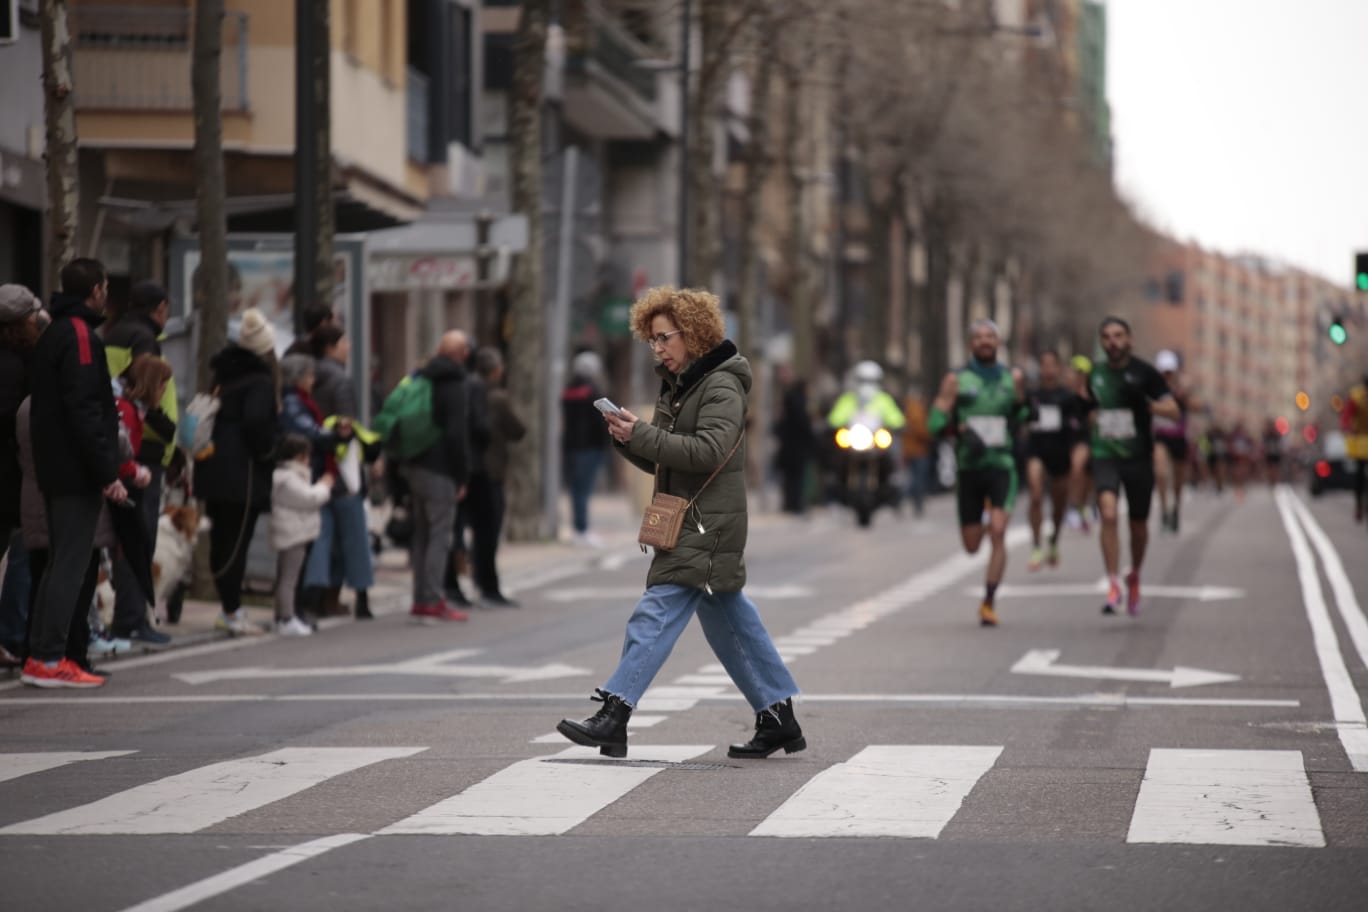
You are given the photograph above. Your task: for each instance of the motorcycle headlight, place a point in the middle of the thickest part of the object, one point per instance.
(882, 439)
(861, 437)
(843, 439)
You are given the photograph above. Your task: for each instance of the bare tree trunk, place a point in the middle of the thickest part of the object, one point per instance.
(59, 114)
(211, 278)
(322, 292)
(757, 172)
(704, 191)
(800, 301)
(526, 362)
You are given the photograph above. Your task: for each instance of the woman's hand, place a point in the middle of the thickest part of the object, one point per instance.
(620, 425)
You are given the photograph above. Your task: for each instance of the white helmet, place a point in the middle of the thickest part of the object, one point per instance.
(867, 372)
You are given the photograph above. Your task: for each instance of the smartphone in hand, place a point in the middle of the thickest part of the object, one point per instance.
(607, 407)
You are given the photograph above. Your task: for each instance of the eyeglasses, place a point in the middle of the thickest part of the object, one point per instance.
(660, 340)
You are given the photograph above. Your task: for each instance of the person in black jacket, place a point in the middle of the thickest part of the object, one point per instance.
(235, 481)
(135, 332)
(437, 479)
(19, 310)
(584, 442)
(75, 428)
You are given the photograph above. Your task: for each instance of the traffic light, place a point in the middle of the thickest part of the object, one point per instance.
(1361, 270)
(1338, 334)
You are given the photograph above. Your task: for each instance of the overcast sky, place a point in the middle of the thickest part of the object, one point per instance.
(1243, 124)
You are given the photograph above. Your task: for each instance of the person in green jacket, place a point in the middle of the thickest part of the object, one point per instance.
(693, 445)
(982, 404)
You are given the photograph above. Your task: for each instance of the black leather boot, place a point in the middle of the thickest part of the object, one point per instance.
(362, 606)
(605, 729)
(775, 728)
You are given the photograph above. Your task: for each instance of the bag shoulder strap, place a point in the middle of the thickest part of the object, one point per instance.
(723, 465)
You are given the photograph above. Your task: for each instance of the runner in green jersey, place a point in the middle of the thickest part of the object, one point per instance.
(982, 404)
(1124, 393)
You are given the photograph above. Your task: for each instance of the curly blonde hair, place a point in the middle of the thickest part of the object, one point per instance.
(697, 312)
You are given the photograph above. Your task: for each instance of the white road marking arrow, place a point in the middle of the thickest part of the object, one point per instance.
(1046, 590)
(1042, 662)
(431, 666)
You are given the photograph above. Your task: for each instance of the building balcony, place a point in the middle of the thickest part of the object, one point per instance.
(138, 59)
(610, 91)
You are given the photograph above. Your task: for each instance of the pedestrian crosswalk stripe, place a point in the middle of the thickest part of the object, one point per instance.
(541, 797)
(1226, 797)
(885, 790)
(12, 766)
(193, 800)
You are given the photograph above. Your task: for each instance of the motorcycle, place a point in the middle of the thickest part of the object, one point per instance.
(864, 469)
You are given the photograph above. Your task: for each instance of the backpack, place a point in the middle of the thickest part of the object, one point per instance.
(195, 433)
(405, 421)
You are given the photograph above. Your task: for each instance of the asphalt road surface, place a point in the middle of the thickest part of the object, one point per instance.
(1210, 754)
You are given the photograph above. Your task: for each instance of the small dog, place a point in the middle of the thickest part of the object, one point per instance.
(104, 589)
(177, 531)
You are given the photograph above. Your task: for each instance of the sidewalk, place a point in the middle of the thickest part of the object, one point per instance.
(615, 518)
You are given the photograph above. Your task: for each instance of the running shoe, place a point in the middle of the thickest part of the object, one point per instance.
(106, 645)
(1113, 597)
(1037, 560)
(294, 627)
(1052, 555)
(232, 624)
(64, 674)
(987, 615)
(1133, 593)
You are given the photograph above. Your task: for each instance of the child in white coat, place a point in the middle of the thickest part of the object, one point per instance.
(296, 517)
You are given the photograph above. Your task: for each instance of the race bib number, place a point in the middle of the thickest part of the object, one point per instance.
(1165, 425)
(1116, 424)
(1049, 418)
(991, 429)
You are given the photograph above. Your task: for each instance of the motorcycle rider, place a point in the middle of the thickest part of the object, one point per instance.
(866, 402)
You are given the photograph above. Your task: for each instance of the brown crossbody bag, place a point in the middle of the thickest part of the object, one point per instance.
(664, 516)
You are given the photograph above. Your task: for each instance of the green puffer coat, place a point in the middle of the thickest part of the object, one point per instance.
(698, 419)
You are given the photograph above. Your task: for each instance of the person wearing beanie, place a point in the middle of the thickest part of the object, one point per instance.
(584, 440)
(234, 481)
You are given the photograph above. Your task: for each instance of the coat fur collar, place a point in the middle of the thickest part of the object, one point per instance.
(697, 369)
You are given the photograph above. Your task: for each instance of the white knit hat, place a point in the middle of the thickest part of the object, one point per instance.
(255, 333)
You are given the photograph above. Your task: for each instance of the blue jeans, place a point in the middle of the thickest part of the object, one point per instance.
(344, 522)
(918, 481)
(584, 468)
(14, 598)
(733, 629)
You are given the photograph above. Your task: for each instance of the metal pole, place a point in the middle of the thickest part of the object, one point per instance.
(306, 227)
(684, 144)
(557, 338)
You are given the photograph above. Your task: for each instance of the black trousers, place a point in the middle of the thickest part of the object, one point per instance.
(130, 605)
(78, 633)
(230, 536)
(67, 583)
(485, 506)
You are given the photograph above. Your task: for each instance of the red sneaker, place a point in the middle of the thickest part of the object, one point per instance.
(444, 612)
(66, 674)
(1113, 597)
(1133, 593)
(423, 611)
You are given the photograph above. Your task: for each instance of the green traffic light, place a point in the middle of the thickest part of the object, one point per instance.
(1338, 334)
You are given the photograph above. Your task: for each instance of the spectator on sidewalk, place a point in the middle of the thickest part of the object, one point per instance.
(75, 431)
(297, 502)
(342, 551)
(437, 478)
(916, 449)
(797, 442)
(132, 334)
(19, 310)
(485, 499)
(478, 431)
(144, 385)
(316, 316)
(235, 481)
(584, 441)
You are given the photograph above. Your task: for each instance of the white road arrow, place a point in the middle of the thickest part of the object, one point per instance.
(1042, 662)
(1055, 590)
(437, 665)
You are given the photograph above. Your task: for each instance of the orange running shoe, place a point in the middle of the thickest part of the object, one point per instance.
(1133, 593)
(987, 616)
(1113, 597)
(66, 674)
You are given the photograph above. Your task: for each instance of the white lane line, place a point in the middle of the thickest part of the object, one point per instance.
(686, 702)
(541, 798)
(907, 791)
(12, 766)
(704, 679)
(1345, 599)
(671, 698)
(1344, 699)
(233, 878)
(1226, 797)
(202, 797)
